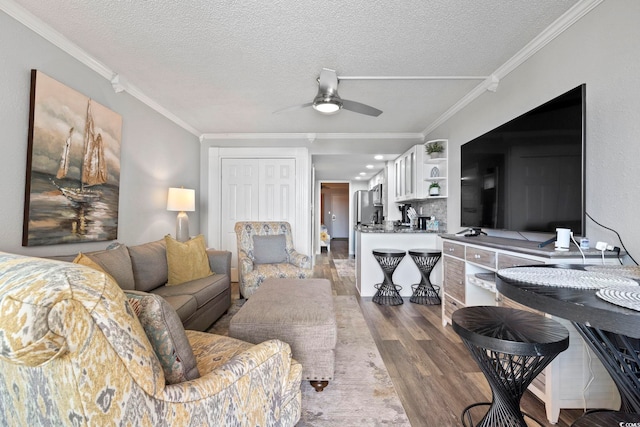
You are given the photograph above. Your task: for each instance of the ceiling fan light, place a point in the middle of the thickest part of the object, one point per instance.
(326, 107)
(327, 104)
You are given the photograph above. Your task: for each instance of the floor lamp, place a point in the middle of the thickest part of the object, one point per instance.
(182, 200)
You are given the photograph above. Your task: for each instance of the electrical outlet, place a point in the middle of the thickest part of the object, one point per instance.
(602, 246)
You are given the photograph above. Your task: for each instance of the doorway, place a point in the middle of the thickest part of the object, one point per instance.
(334, 212)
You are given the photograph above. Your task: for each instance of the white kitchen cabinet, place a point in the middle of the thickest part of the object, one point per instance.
(415, 171)
(405, 173)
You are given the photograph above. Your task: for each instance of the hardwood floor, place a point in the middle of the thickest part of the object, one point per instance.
(432, 371)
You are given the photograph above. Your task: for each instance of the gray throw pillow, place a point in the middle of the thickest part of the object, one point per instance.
(117, 263)
(150, 268)
(166, 335)
(270, 249)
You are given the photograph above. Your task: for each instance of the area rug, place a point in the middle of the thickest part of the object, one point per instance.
(345, 267)
(361, 393)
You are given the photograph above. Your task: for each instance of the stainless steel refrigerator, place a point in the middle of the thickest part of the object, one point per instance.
(365, 211)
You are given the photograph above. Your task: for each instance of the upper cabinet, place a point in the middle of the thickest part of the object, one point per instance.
(405, 177)
(421, 173)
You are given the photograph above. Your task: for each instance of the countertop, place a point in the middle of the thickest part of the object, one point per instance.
(402, 230)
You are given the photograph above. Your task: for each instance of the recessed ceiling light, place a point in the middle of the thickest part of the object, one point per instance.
(379, 157)
(369, 166)
(363, 173)
(357, 177)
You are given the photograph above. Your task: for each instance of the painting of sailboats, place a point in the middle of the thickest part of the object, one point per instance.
(73, 167)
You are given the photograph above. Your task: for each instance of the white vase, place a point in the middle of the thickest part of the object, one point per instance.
(434, 191)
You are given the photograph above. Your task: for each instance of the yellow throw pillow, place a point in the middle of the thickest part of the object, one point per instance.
(82, 259)
(187, 261)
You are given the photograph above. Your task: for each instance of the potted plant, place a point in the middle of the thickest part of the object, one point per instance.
(434, 149)
(434, 189)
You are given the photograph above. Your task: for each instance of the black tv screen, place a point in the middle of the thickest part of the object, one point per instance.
(528, 174)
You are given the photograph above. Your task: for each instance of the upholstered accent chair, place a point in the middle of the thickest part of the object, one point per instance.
(265, 249)
(73, 352)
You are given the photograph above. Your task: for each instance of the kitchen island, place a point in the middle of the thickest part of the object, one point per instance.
(368, 271)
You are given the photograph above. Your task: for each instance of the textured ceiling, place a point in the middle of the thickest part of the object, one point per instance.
(224, 66)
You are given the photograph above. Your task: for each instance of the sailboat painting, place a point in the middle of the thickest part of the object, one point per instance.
(73, 167)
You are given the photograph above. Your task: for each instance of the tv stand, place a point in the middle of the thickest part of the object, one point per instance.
(469, 266)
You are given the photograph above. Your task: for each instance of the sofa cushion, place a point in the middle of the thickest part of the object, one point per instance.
(186, 261)
(184, 305)
(117, 264)
(270, 249)
(166, 335)
(203, 290)
(149, 262)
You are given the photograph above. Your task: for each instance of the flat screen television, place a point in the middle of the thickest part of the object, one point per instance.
(528, 174)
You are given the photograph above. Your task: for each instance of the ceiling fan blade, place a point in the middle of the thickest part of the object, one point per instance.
(293, 108)
(328, 82)
(358, 107)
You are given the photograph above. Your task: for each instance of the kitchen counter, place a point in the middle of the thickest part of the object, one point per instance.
(401, 229)
(368, 271)
(398, 230)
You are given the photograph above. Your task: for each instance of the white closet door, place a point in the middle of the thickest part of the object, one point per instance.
(239, 201)
(277, 190)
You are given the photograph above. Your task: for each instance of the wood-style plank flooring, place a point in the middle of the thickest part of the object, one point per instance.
(432, 371)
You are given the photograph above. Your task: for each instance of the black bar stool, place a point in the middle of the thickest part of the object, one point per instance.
(387, 293)
(425, 292)
(511, 348)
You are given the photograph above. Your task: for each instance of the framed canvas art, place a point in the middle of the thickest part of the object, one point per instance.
(73, 167)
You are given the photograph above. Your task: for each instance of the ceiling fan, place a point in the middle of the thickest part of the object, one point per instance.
(327, 101)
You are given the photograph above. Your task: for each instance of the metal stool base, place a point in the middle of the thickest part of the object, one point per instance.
(387, 294)
(425, 295)
(467, 415)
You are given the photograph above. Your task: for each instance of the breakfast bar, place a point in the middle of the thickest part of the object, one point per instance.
(368, 271)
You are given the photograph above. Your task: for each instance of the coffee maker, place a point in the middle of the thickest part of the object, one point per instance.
(405, 211)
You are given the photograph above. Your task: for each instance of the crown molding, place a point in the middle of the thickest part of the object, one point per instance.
(120, 83)
(559, 26)
(36, 25)
(310, 136)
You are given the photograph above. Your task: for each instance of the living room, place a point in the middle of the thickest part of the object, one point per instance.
(160, 150)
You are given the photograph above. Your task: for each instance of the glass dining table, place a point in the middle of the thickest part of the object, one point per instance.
(602, 302)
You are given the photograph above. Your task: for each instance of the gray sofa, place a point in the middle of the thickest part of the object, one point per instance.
(143, 267)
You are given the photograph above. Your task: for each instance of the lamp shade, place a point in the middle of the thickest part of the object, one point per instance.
(181, 199)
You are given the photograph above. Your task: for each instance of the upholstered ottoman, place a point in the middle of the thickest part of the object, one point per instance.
(299, 312)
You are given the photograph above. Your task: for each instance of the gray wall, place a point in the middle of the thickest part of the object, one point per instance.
(600, 50)
(155, 154)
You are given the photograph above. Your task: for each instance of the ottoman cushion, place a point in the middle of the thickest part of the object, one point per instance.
(297, 311)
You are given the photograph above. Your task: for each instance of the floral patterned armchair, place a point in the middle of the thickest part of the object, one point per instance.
(252, 272)
(73, 352)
